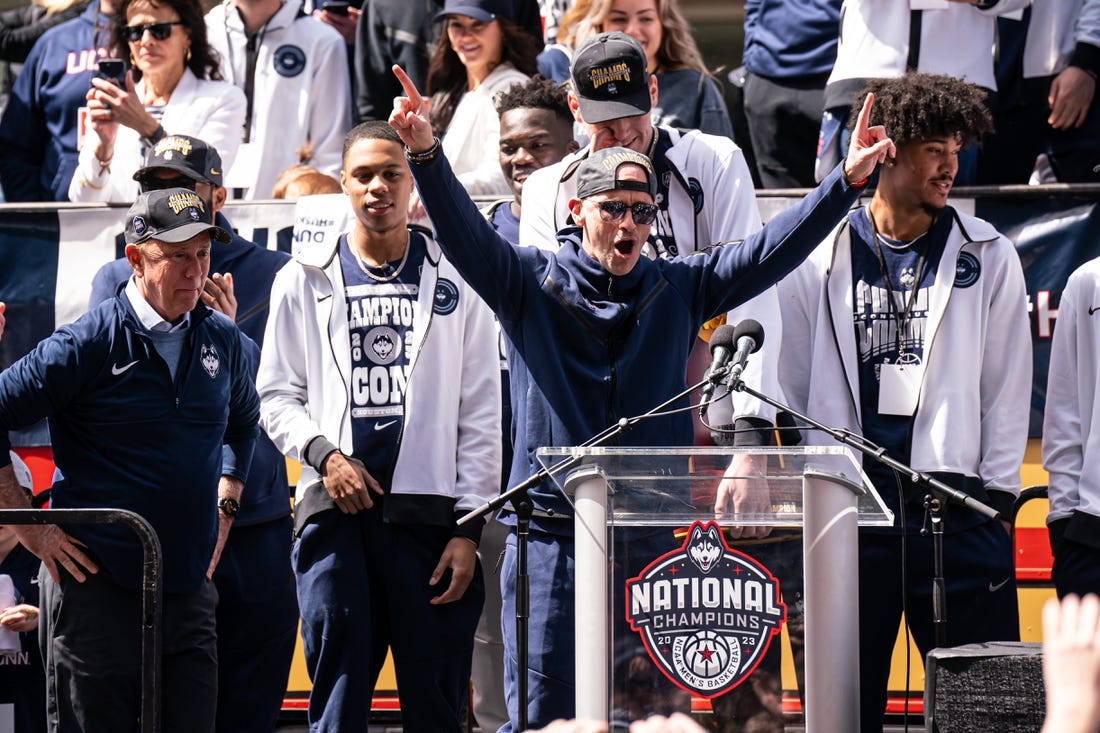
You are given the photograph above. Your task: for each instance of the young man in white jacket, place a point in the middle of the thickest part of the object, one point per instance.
(909, 326)
(1070, 436)
(385, 385)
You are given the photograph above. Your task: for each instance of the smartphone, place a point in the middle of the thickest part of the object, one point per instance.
(336, 7)
(113, 70)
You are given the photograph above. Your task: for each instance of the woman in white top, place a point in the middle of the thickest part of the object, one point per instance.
(482, 52)
(173, 87)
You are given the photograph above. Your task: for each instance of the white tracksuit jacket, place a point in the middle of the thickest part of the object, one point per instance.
(972, 411)
(450, 444)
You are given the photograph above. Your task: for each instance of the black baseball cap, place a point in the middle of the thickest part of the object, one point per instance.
(610, 78)
(170, 215)
(190, 156)
(481, 10)
(598, 173)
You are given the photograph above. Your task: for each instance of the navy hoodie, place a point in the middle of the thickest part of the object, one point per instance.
(586, 348)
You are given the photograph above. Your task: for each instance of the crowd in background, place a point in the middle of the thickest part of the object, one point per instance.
(272, 84)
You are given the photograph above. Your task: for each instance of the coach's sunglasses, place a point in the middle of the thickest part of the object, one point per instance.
(613, 211)
(159, 31)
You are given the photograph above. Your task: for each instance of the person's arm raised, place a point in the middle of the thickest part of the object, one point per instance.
(870, 146)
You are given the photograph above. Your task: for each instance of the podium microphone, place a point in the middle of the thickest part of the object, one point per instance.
(748, 337)
(721, 351)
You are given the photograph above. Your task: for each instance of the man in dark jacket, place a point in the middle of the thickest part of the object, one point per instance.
(152, 409)
(257, 617)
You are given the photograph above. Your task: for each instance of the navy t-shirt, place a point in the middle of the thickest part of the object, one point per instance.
(380, 316)
(880, 338)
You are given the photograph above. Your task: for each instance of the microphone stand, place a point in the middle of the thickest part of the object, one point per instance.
(933, 504)
(523, 509)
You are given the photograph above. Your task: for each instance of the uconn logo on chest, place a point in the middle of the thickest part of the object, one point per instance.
(705, 613)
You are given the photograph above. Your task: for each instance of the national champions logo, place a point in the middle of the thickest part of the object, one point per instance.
(706, 614)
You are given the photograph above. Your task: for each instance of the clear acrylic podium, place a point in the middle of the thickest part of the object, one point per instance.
(670, 604)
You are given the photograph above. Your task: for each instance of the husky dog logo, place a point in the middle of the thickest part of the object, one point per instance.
(706, 614)
(208, 357)
(705, 548)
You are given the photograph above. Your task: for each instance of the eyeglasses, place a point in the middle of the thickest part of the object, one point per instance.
(159, 31)
(614, 211)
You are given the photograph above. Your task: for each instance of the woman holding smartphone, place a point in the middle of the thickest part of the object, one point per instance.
(173, 87)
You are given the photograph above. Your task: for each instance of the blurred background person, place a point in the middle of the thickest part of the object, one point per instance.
(886, 38)
(481, 52)
(21, 27)
(303, 180)
(22, 679)
(1047, 63)
(39, 136)
(293, 71)
(553, 62)
(688, 96)
(173, 86)
(391, 32)
(790, 48)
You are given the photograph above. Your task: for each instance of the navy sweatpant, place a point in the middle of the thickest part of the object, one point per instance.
(362, 589)
(981, 604)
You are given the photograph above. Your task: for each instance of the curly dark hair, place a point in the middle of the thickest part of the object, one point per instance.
(921, 106)
(204, 62)
(447, 75)
(537, 93)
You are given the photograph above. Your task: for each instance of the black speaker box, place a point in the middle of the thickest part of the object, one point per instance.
(979, 688)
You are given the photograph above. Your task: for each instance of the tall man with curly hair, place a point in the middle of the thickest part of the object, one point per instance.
(908, 325)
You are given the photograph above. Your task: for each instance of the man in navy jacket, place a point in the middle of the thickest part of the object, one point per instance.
(257, 616)
(151, 409)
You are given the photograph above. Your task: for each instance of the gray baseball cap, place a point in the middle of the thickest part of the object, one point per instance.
(598, 173)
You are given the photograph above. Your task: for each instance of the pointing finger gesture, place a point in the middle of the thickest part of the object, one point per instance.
(870, 146)
(410, 115)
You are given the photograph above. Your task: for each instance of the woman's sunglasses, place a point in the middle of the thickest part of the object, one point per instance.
(159, 31)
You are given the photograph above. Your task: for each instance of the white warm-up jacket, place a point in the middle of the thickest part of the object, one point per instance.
(1056, 27)
(212, 111)
(1071, 425)
(974, 400)
(450, 443)
(957, 40)
(301, 91)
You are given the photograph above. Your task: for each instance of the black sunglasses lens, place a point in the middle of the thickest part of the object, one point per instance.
(643, 213)
(612, 211)
(159, 31)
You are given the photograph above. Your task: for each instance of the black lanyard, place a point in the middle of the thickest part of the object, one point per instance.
(902, 318)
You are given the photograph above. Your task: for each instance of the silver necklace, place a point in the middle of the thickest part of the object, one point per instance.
(367, 269)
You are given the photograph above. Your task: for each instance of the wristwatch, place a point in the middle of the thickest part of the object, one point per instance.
(229, 506)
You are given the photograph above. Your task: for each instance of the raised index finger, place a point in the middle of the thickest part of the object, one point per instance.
(407, 85)
(863, 124)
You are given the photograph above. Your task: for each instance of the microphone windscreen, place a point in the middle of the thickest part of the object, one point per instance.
(751, 328)
(726, 336)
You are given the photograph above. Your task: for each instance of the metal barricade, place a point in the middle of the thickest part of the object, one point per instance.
(151, 577)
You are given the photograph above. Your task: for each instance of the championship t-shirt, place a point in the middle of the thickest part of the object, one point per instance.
(381, 303)
(892, 283)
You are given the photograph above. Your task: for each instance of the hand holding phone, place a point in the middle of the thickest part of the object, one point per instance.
(336, 7)
(113, 70)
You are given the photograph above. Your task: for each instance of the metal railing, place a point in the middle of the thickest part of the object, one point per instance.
(151, 601)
